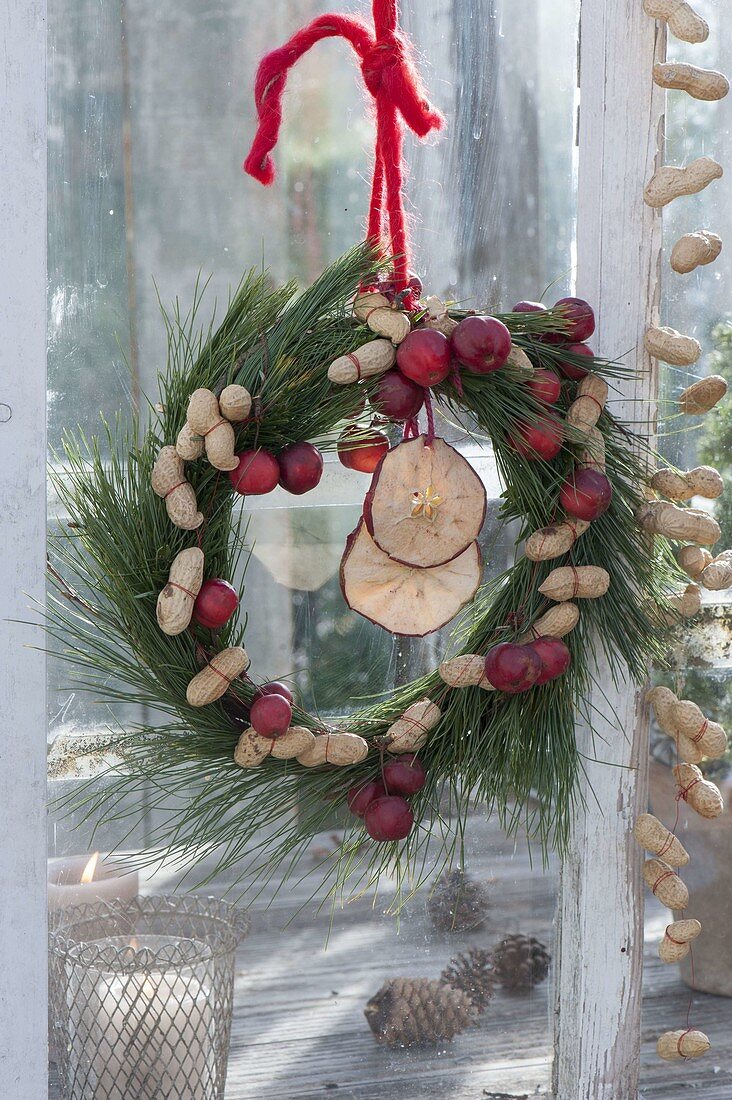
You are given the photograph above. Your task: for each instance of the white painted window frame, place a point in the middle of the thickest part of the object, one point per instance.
(23, 938)
(600, 924)
(601, 903)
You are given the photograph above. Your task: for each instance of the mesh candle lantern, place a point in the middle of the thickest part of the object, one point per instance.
(141, 997)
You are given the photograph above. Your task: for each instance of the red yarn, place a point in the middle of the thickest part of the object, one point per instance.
(390, 77)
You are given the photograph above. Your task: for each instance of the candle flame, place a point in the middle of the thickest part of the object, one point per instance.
(87, 874)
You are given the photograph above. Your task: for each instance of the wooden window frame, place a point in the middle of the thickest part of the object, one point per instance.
(618, 247)
(23, 237)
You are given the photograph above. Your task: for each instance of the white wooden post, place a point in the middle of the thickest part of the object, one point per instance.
(600, 942)
(23, 947)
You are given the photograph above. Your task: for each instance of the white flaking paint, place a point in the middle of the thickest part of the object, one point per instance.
(23, 1012)
(600, 940)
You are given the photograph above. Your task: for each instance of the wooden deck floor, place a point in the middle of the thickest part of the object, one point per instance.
(299, 1031)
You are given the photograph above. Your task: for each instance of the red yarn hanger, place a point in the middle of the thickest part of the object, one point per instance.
(391, 78)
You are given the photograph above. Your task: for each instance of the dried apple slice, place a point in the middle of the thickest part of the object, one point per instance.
(426, 504)
(406, 599)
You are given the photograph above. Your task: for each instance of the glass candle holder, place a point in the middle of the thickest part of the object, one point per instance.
(142, 997)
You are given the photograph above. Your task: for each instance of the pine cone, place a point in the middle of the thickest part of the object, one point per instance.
(458, 903)
(473, 974)
(415, 1011)
(520, 962)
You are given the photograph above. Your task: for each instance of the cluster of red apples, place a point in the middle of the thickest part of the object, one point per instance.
(513, 668)
(383, 804)
(586, 494)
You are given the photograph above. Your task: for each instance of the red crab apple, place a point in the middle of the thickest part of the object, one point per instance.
(388, 818)
(404, 774)
(271, 715)
(362, 795)
(301, 467)
(546, 385)
(554, 656)
(511, 667)
(274, 687)
(529, 307)
(397, 396)
(541, 440)
(362, 451)
(579, 315)
(215, 603)
(482, 344)
(424, 356)
(257, 472)
(586, 494)
(574, 370)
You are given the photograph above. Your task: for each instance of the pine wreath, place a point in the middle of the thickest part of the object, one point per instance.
(503, 747)
(155, 538)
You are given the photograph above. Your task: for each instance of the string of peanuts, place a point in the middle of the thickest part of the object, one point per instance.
(694, 735)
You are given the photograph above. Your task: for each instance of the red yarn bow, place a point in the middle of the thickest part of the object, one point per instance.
(392, 80)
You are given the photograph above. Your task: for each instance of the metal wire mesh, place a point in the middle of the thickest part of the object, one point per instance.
(141, 997)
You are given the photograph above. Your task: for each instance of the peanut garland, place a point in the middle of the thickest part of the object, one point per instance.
(215, 679)
(701, 794)
(555, 623)
(585, 410)
(670, 183)
(169, 482)
(695, 250)
(585, 582)
(674, 1046)
(677, 938)
(703, 481)
(175, 602)
(671, 346)
(652, 835)
(683, 21)
(205, 420)
(703, 395)
(554, 540)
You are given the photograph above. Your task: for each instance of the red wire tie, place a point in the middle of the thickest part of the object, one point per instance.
(220, 673)
(666, 845)
(679, 943)
(591, 398)
(415, 724)
(357, 365)
(660, 879)
(174, 584)
(576, 580)
(684, 791)
(702, 730)
(680, 1040)
(214, 427)
(174, 488)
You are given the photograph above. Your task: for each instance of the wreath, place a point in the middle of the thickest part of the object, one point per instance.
(143, 572)
(156, 537)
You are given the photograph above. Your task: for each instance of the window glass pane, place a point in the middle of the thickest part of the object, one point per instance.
(697, 304)
(151, 111)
